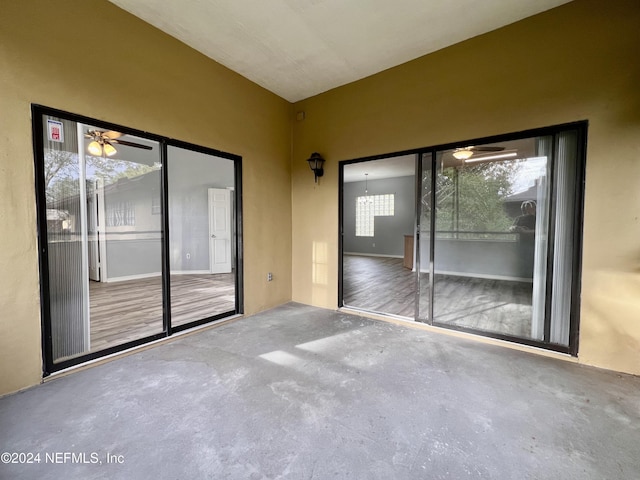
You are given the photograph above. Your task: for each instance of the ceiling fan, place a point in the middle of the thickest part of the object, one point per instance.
(102, 142)
(465, 153)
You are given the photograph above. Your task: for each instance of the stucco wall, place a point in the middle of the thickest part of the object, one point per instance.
(91, 58)
(576, 62)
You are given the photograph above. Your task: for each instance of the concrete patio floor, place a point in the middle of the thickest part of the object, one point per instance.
(299, 393)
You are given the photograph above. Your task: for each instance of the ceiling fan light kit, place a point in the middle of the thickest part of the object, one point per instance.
(466, 153)
(462, 154)
(109, 149)
(102, 143)
(95, 149)
(99, 149)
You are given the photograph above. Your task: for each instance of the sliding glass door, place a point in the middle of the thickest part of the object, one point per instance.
(378, 229)
(497, 237)
(122, 239)
(202, 235)
(490, 238)
(103, 240)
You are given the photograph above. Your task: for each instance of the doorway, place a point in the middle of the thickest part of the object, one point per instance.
(114, 205)
(496, 244)
(378, 215)
(201, 240)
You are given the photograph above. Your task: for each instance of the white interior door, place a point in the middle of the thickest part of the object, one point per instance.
(219, 230)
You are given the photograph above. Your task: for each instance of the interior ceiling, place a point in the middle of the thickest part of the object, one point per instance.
(299, 48)
(405, 165)
(402, 166)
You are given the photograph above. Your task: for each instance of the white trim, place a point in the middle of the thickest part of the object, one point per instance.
(190, 272)
(481, 275)
(82, 174)
(133, 277)
(102, 235)
(372, 255)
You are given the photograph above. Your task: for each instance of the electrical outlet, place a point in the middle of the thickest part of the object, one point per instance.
(374, 245)
(269, 276)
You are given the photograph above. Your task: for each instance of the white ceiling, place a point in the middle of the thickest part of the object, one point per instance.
(402, 166)
(299, 48)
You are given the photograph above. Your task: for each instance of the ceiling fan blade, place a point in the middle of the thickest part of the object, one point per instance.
(131, 144)
(488, 149)
(111, 134)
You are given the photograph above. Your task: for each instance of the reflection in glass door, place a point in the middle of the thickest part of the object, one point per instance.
(490, 238)
(496, 244)
(125, 292)
(202, 235)
(103, 240)
(129, 251)
(498, 252)
(424, 253)
(378, 212)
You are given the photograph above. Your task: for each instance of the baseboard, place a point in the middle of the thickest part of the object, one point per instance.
(190, 272)
(133, 277)
(372, 255)
(481, 275)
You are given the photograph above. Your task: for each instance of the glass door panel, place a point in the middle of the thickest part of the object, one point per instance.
(423, 252)
(496, 244)
(491, 222)
(378, 212)
(66, 237)
(125, 238)
(103, 243)
(111, 278)
(202, 236)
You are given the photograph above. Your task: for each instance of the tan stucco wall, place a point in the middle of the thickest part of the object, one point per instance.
(91, 58)
(579, 61)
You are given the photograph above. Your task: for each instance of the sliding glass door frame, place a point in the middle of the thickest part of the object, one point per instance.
(49, 364)
(238, 265)
(580, 129)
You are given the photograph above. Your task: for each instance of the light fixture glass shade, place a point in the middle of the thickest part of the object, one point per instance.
(94, 148)
(462, 154)
(315, 163)
(109, 150)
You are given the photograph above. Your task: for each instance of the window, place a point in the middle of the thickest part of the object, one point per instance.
(121, 214)
(156, 207)
(370, 206)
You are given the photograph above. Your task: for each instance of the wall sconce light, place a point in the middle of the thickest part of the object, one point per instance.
(315, 163)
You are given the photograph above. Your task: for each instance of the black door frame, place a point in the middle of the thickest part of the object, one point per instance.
(580, 127)
(49, 366)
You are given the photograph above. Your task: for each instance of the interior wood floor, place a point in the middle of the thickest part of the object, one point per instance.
(121, 312)
(382, 284)
(483, 304)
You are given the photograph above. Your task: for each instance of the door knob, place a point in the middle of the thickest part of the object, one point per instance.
(213, 236)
